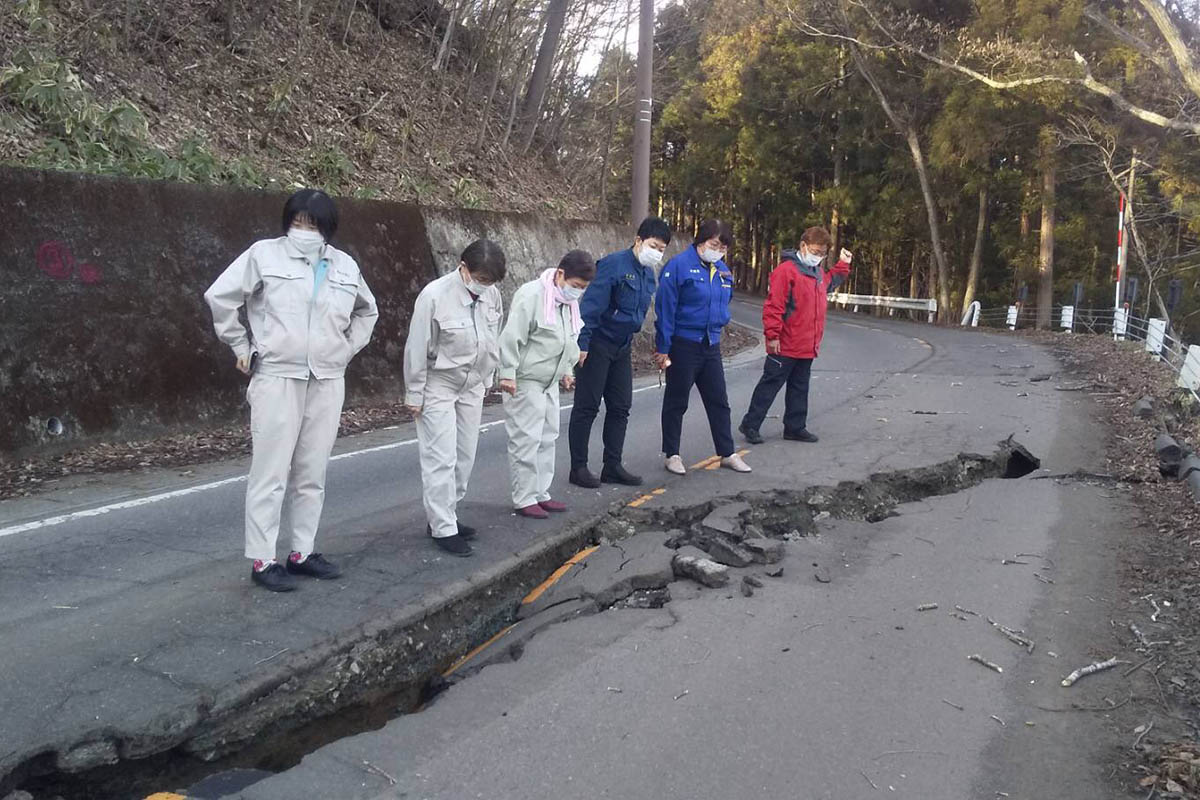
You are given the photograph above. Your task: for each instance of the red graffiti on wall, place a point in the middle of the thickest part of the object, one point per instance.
(56, 260)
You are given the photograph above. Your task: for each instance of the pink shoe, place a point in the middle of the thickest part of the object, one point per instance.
(534, 511)
(553, 505)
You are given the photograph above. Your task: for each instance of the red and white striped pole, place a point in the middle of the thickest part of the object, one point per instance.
(1120, 251)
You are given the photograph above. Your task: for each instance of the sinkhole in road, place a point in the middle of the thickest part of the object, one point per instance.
(633, 555)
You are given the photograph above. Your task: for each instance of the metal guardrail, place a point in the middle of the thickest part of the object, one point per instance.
(893, 304)
(1159, 339)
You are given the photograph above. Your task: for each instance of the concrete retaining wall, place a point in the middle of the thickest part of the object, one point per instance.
(103, 326)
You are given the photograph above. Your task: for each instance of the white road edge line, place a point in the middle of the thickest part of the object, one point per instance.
(49, 522)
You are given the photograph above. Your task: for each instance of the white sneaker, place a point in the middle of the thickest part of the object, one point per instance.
(675, 466)
(735, 463)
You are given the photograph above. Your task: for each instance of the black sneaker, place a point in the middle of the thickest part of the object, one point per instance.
(618, 474)
(274, 578)
(801, 436)
(583, 477)
(455, 545)
(315, 566)
(465, 531)
(752, 435)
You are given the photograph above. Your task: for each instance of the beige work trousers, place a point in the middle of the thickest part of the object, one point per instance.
(293, 425)
(531, 421)
(447, 434)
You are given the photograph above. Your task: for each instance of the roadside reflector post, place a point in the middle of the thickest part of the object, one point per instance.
(1156, 332)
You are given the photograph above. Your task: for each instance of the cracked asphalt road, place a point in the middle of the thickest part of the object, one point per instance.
(137, 618)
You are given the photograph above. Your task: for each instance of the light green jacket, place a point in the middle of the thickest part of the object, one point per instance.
(532, 350)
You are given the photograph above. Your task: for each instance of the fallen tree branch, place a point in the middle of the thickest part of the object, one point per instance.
(978, 659)
(1091, 669)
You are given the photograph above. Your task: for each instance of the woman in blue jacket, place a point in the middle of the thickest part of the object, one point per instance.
(691, 308)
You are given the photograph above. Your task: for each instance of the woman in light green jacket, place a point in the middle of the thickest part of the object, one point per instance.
(538, 351)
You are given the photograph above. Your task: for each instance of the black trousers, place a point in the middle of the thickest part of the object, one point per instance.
(699, 365)
(778, 370)
(606, 375)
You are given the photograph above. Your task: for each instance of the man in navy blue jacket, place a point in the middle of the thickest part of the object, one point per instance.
(613, 310)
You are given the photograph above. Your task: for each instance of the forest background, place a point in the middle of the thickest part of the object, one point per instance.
(964, 149)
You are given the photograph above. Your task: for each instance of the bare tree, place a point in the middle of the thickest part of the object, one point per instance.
(556, 14)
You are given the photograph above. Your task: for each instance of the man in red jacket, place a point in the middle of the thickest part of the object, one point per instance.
(794, 322)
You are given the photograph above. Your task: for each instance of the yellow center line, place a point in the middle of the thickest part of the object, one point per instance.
(640, 501)
(658, 491)
(166, 796)
(459, 664)
(557, 574)
(704, 464)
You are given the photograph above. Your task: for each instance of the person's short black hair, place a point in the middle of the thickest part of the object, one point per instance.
(578, 264)
(714, 227)
(485, 260)
(654, 228)
(317, 205)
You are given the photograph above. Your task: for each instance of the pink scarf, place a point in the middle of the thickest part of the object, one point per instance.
(553, 297)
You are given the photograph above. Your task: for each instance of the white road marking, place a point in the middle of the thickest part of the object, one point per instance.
(60, 519)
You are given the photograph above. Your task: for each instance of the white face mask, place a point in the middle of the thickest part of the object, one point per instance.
(811, 259)
(307, 242)
(649, 257)
(473, 286)
(572, 293)
(710, 256)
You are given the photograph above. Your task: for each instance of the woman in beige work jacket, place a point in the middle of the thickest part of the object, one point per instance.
(309, 312)
(538, 351)
(449, 364)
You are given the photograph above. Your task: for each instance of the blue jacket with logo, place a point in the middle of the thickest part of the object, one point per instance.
(615, 304)
(692, 301)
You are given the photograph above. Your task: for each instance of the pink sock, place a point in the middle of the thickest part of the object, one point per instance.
(260, 565)
(298, 558)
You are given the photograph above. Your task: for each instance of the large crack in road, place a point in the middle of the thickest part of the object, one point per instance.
(399, 664)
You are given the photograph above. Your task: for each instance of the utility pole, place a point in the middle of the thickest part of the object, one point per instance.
(640, 200)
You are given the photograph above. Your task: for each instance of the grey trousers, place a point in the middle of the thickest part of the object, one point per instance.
(531, 421)
(293, 425)
(447, 434)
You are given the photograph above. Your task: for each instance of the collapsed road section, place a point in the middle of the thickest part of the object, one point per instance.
(396, 664)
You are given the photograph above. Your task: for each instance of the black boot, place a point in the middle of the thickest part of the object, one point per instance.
(465, 531)
(752, 435)
(583, 477)
(455, 545)
(615, 473)
(800, 436)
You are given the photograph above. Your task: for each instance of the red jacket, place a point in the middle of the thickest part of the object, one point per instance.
(794, 312)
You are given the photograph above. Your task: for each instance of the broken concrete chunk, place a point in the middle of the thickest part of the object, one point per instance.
(87, 755)
(725, 520)
(648, 598)
(726, 552)
(753, 581)
(610, 573)
(747, 590)
(765, 551)
(702, 570)
(754, 532)
(777, 572)
(1144, 408)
